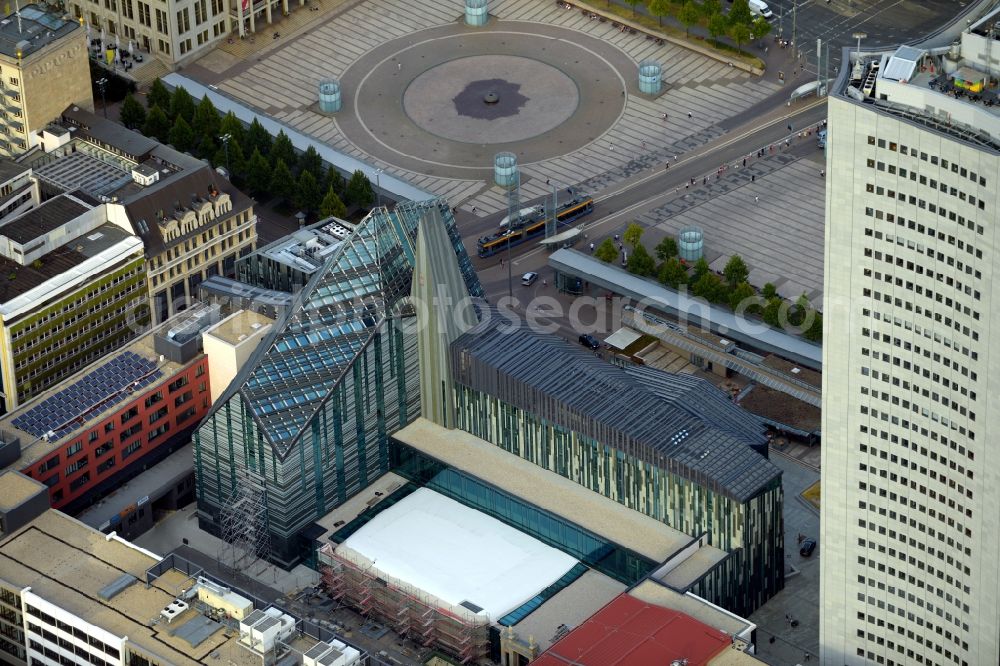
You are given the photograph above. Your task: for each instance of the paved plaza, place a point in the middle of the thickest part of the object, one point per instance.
(381, 48)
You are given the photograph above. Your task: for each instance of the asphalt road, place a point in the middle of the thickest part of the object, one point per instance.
(886, 22)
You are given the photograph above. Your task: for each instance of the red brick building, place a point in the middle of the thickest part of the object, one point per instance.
(92, 432)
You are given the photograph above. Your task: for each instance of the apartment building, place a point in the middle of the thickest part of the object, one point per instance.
(192, 222)
(909, 531)
(43, 69)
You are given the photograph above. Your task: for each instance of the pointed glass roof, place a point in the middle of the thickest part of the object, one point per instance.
(335, 316)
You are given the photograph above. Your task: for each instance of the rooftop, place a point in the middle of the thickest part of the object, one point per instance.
(668, 419)
(632, 632)
(36, 27)
(102, 595)
(546, 490)
(15, 488)
(104, 131)
(17, 280)
(238, 326)
(9, 169)
(693, 606)
(47, 217)
(85, 398)
(306, 250)
(457, 554)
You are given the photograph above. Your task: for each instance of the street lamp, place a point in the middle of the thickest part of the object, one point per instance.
(225, 144)
(857, 60)
(102, 84)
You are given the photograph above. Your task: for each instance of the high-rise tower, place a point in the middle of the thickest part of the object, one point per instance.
(910, 525)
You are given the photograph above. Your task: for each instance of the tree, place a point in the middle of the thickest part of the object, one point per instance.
(181, 135)
(258, 138)
(233, 126)
(709, 287)
(132, 114)
(283, 183)
(182, 105)
(710, 8)
(666, 248)
(640, 262)
(632, 234)
(769, 291)
(158, 95)
(334, 181)
(633, 3)
(206, 119)
(700, 269)
(672, 273)
(206, 146)
(606, 251)
(282, 150)
(717, 26)
(231, 158)
(659, 9)
(311, 161)
(772, 311)
(760, 28)
(735, 271)
(259, 174)
(332, 205)
(740, 33)
(359, 190)
(740, 293)
(157, 124)
(308, 196)
(688, 15)
(815, 332)
(739, 13)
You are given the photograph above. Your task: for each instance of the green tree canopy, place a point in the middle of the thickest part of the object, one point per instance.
(772, 311)
(632, 234)
(633, 3)
(282, 150)
(700, 269)
(740, 33)
(158, 95)
(283, 183)
(672, 273)
(769, 291)
(311, 161)
(640, 262)
(181, 136)
(359, 190)
(258, 138)
(688, 15)
(157, 124)
(233, 126)
(206, 119)
(233, 160)
(736, 270)
(606, 251)
(710, 8)
(717, 26)
(308, 196)
(182, 105)
(739, 13)
(259, 174)
(709, 287)
(815, 332)
(742, 292)
(132, 114)
(666, 248)
(659, 9)
(332, 205)
(206, 146)
(333, 180)
(761, 27)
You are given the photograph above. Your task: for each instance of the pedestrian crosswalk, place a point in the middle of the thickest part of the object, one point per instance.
(700, 94)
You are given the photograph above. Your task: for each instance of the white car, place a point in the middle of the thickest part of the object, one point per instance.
(529, 279)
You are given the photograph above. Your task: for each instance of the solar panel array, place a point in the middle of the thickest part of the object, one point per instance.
(128, 370)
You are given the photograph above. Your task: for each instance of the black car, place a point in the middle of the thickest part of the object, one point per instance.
(587, 340)
(807, 548)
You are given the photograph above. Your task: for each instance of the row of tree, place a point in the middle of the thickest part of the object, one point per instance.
(739, 24)
(266, 166)
(731, 288)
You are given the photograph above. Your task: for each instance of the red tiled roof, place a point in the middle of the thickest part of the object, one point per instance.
(630, 632)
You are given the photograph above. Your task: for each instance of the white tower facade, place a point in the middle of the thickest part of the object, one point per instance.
(910, 528)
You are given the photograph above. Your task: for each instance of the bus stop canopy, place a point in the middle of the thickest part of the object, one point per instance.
(569, 236)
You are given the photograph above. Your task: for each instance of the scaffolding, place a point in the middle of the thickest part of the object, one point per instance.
(246, 540)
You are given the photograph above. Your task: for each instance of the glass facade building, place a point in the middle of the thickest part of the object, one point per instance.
(669, 446)
(310, 414)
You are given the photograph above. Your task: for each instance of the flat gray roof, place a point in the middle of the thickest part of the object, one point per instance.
(658, 297)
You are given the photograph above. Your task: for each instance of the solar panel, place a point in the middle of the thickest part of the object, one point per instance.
(109, 384)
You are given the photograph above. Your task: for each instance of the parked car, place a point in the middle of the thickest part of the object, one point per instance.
(807, 547)
(529, 279)
(589, 341)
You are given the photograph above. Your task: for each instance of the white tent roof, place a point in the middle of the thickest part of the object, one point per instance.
(622, 338)
(458, 554)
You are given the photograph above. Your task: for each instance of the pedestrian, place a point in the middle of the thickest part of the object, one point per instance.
(689, 114)
(765, 50)
(704, 181)
(666, 166)
(623, 93)
(591, 247)
(787, 143)
(611, 147)
(545, 283)
(752, 178)
(399, 67)
(644, 145)
(822, 173)
(616, 238)
(687, 185)
(473, 210)
(501, 262)
(664, 115)
(756, 199)
(546, 181)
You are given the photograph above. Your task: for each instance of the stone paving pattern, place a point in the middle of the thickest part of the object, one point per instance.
(283, 84)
